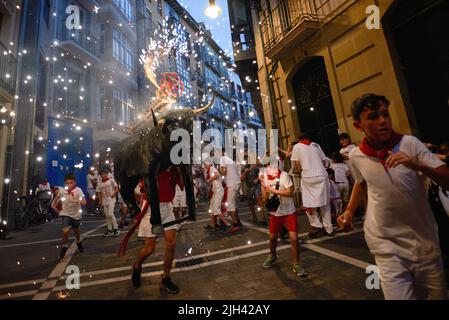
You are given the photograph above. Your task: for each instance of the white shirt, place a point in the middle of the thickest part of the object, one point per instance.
(90, 181)
(287, 205)
(399, 219)
(334, 192)
(347, 150)
(107, 189)
(46, 187)
(179, 192)
(311, 158)
(217, 185)
(71, 206)
(341, 171)
(232, 177)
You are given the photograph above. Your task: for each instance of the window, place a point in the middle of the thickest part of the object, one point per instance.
(239, 92)
(124, 111)
(122, 49)
(127, 8)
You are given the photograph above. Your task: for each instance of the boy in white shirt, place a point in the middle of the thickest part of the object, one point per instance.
(71, 199)
(231, 172)
(108, 189)
(216, 197)
(400, 229)
(335, 195)
(275, 182)
(341, 175)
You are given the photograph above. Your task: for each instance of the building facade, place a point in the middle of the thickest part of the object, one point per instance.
(315, 57)
(9, 34)
(81, 85)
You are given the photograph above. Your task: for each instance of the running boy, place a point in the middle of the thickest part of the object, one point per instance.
(400, 229)
(167, 181)
(216, 197)
(108, 189)
(71, 198)
(285, 215)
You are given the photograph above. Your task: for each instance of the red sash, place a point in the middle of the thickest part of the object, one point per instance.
(307, 142)
(382, 154)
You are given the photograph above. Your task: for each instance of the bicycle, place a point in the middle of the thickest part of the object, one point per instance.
(33, 211)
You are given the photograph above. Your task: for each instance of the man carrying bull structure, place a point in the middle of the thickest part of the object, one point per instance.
(167, 181)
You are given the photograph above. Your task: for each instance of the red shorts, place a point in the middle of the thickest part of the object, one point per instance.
(277, 222)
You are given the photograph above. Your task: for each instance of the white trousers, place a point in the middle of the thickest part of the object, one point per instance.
(326, 216)
(405, 280)
(110, 217)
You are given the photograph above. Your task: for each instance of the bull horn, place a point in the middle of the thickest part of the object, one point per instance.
(154, 118)
(204, 109)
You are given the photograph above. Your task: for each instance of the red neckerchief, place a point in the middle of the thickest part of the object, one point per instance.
(270, 177)
(107, 179)
(382, 154)
(307, 142)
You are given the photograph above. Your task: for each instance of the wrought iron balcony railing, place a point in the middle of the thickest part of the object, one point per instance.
(84, 40)
(278, 22)
(8, 70)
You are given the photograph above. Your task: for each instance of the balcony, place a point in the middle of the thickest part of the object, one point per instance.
(108, 132)
(8, 70)
(292, 22)
(81, 44)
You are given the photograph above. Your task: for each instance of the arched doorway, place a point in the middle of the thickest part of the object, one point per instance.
(417, 32)
(315, 108)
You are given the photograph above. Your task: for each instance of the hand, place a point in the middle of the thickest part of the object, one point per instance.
(272, 190)
(401, 158)
(345, 221)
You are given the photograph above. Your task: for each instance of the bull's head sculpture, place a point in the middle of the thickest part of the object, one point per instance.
(147, 153)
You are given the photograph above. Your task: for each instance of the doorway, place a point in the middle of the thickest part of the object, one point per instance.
(315, 108)
(418, 30)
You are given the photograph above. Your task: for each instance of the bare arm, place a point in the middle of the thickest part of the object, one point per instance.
(358, 193)
(298, 167)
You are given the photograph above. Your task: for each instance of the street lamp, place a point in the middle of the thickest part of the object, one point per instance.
(212, 10)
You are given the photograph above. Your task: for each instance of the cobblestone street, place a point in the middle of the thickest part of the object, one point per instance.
(219, 266)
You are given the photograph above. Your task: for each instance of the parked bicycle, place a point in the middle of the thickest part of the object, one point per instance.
(33, 211)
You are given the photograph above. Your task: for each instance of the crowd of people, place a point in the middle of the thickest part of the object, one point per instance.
(383, 179)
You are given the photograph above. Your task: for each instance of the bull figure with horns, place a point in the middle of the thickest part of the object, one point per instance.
(146, 154)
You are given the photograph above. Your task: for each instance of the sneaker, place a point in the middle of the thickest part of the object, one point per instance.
(80, 247)
(315, 232)
(269, 262)
(136, 277)
(332, 234)
(209, 228)
(108, 234)
(116, 233)
(299, 271)
(63, 252)
(235, 229)
(168, 285)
